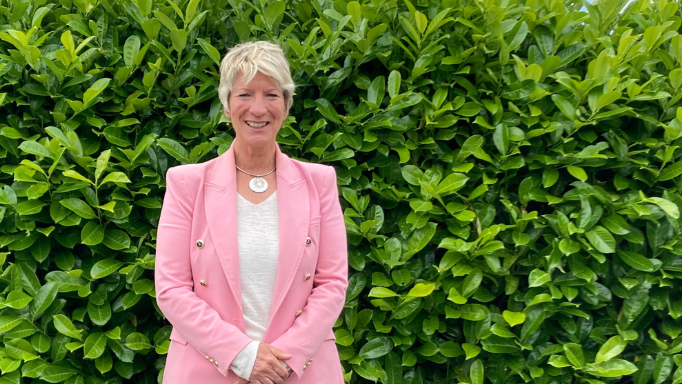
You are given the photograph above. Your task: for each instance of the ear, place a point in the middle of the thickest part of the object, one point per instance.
(227, 114)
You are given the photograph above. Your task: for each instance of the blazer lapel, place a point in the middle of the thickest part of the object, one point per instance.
(220, 203)
(294, 217)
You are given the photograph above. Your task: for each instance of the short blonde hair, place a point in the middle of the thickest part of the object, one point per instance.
(251, 58)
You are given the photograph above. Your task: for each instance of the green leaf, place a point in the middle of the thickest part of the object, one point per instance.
(64, 325)
(381, 292)
(16, 300)
(610, 349)
(476, 372)
(421, 290)
(412, 174)
(99, 314)
(501, 138)
(375, 93)
(471, 282)
(616, 224)
(115, 177)
(377, 347)
(34, 148)
(452, 183)
(663, 365)
(94, 345)
(79, 207)
(43, 299)
(670, 172)
(419, 239)
(474, 312)
(327, 110)
(116, 239)
(92, 233)
(138, 342)
(131, 49)
(393, 368)
(77, 176)
(577, 172)
(611, 368)
(272, 12)
(601, 239)
(514, 318)
(606, 99)
(8, 323)
(667, 206)
(538, 278)
(211, 51)
(179, 39)
(174, 149)
(574, 354)
(105, 268)
(97, 87)
(636, 261)
(564, 106)
(534, 319)
(394, 80)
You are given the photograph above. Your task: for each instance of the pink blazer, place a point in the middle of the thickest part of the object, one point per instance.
(197, 271)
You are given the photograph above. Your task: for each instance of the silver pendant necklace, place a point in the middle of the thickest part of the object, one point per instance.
(257, 183)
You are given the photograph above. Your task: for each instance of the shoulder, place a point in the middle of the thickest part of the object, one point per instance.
(315, 173)
(192, 172)
(192, 175)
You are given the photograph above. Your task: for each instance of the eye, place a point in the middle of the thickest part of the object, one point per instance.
(273, 95)
(244, 95)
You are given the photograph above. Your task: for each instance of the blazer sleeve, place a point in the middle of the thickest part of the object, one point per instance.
(328, 295)
(195, 319)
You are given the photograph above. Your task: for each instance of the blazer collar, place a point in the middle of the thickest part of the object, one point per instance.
(225, 171)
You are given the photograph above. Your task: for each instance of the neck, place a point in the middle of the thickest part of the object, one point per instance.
(257, 160)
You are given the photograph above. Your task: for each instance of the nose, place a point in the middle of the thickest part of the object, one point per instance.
(257, 107)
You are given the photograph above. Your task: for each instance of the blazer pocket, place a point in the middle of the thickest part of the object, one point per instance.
(175, 336)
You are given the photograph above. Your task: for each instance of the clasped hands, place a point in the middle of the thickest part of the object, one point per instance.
(267, 369)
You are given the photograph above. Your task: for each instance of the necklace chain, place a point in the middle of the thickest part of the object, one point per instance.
(251, 174)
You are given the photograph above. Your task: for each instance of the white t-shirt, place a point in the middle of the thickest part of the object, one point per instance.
(258, 246)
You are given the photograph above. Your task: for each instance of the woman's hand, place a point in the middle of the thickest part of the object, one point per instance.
(242, 381)
(267, 368)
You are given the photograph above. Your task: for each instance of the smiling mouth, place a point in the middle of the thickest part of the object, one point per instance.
(256, 125)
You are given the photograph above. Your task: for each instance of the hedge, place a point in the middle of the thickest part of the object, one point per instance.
(510, 173)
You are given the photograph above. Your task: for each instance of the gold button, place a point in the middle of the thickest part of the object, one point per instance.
(208, 358)
(306, 277)
(304, 367)
(308, 241)
(200, 243)
(216, 364)
(298, 313)
(203, 282)
(211, 360)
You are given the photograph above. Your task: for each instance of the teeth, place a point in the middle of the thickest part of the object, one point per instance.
(256, 125)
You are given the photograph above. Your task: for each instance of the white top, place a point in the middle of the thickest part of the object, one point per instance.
(258, 246)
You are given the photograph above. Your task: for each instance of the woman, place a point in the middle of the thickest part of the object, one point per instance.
(251, 262)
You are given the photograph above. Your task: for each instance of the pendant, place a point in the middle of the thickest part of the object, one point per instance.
(258, 185)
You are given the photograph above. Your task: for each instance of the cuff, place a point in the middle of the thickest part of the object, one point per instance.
(242, 365)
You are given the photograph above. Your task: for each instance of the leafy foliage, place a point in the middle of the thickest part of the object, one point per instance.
(510, 173)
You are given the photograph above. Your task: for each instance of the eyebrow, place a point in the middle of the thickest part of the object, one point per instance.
(246, 89)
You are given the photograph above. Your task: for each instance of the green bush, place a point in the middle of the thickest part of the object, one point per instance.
(510, 172)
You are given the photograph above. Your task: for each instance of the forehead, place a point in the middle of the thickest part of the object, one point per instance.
(260, 80)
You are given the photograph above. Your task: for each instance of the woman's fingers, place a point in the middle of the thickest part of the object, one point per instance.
(278, 352)
(267, 369)
(280, 370)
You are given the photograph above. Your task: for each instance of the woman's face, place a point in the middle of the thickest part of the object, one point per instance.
(256, 110)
